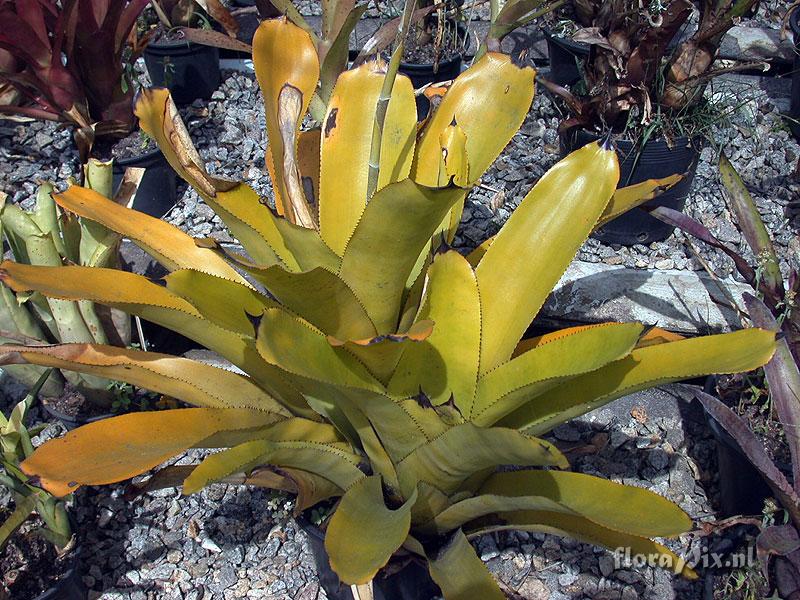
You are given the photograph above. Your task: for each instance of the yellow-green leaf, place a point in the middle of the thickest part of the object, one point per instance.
(193, 382)
(139, 296)
(449, 459)
(166, 243)
(446, 364)
(587, 531)
(519, 270)
(332, 460)
(347, 142)
(505, 388)
(645, 513)
(363, 532)
(626, 198)
(321, 298)
(402, 216)
(224, 302)
(488, 102)
(461, 574)
(287, 342)
(245, 457)
(623, 200)
(642, 369)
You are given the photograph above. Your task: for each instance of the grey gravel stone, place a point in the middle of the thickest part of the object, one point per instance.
(606, 564)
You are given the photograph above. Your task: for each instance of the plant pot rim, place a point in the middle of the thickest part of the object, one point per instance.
(132, 160)
(169, 46)
(565, 41)
(53, 412)
(679, 141)
(450, 62)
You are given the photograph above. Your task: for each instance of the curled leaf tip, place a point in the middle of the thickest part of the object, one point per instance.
(443, 247)
(607, 143)
(423, 400)
(207, 242)
(255, 320)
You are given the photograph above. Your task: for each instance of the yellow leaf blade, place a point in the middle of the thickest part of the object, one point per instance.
(356, 559)
(517, 273)
(626, 198)
(166, 243)
(406, 215)
(193, 382)
(122, 447)
(286, 342)
(644, 368)
(488, 102)
(646, 514)
(347, 143)
(587, 531)
(285, 59)
(461, 574)
(513, 383)
(446, 364)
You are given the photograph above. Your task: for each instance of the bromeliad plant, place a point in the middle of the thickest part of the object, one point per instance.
(191, 18)
(91, 90)
(16, 446)
(380, 366)
(632, 76)
(49, 236)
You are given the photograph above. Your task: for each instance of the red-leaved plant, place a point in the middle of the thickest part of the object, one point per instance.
(774, 309)
(73, 55)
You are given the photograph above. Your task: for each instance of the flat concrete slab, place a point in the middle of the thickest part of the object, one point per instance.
(681, 301)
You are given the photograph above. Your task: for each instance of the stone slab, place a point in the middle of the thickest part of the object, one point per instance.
(682, 301)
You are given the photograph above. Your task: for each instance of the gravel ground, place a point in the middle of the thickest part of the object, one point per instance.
(768, 14)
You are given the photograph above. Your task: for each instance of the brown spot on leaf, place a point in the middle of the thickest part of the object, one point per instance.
(330, 122)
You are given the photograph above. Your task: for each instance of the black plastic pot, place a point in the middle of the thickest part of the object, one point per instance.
(424, 74)
(70, 586)
(71, 422)
(565, 59)
(166, 341)
(190, 71)
(655, 161)
(411, 583)
(157, 193)
(794, 111)
(742, 490)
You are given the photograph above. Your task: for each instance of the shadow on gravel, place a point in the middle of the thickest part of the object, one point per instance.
(668, 298)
